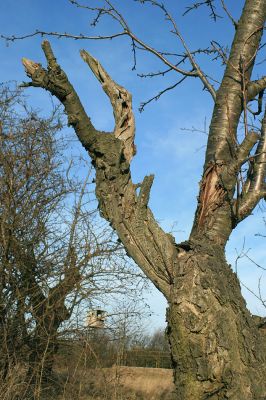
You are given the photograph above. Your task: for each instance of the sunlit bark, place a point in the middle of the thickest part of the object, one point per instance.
(218, 351)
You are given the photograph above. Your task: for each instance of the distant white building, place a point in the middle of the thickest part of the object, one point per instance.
(96, 319)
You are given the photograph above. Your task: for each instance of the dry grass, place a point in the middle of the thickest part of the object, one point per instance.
(13, 385)
(151, 383)
(116, 383)
(119, 383)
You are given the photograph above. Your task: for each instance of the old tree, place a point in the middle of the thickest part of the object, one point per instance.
(218, 349)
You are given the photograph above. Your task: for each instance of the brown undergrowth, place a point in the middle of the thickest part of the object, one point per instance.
(116, 383)
(119, 383)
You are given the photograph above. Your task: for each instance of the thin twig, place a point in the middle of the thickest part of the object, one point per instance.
(143, 105)
(229, 14)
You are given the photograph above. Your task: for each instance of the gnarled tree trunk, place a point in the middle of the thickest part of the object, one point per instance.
(218, 350)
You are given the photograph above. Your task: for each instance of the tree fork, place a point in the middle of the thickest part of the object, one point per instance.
(218, 351)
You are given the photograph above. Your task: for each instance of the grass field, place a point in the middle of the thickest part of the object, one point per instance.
(78, 383)
(119, 383)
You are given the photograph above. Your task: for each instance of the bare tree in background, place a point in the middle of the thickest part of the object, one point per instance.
(218, 349)
(31, 191)
(56, 255)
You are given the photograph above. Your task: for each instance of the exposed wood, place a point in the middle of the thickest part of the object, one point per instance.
(218, 350)
(121, 101)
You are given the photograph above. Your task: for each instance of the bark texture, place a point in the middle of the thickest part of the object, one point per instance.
(218, 349)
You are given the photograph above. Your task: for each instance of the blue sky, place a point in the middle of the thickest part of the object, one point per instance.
(174, 155)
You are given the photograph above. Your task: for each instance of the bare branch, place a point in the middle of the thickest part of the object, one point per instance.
(126, 31)
(194, 64)
(160, 56)
(255, 87)
(143, 105)
(208, 3)
(260, 161)
(55, 80)
(62, 35)
(113, 13)
(259, 110)
(246, 146)
(218, 48)
(255, 263)
(189, 55)
(183, 58)
(256, 187)
(234, 22)
(259, 297)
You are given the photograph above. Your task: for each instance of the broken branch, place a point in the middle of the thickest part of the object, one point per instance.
(145, 189)
(56, 82)
(121, 101)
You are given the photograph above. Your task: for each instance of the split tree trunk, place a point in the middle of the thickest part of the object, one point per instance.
(217, 349)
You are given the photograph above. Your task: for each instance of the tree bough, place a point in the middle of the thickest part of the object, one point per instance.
(218, 349)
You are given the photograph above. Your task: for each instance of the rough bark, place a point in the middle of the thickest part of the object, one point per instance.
(217, 348)
(218, 213)
(218, 352)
